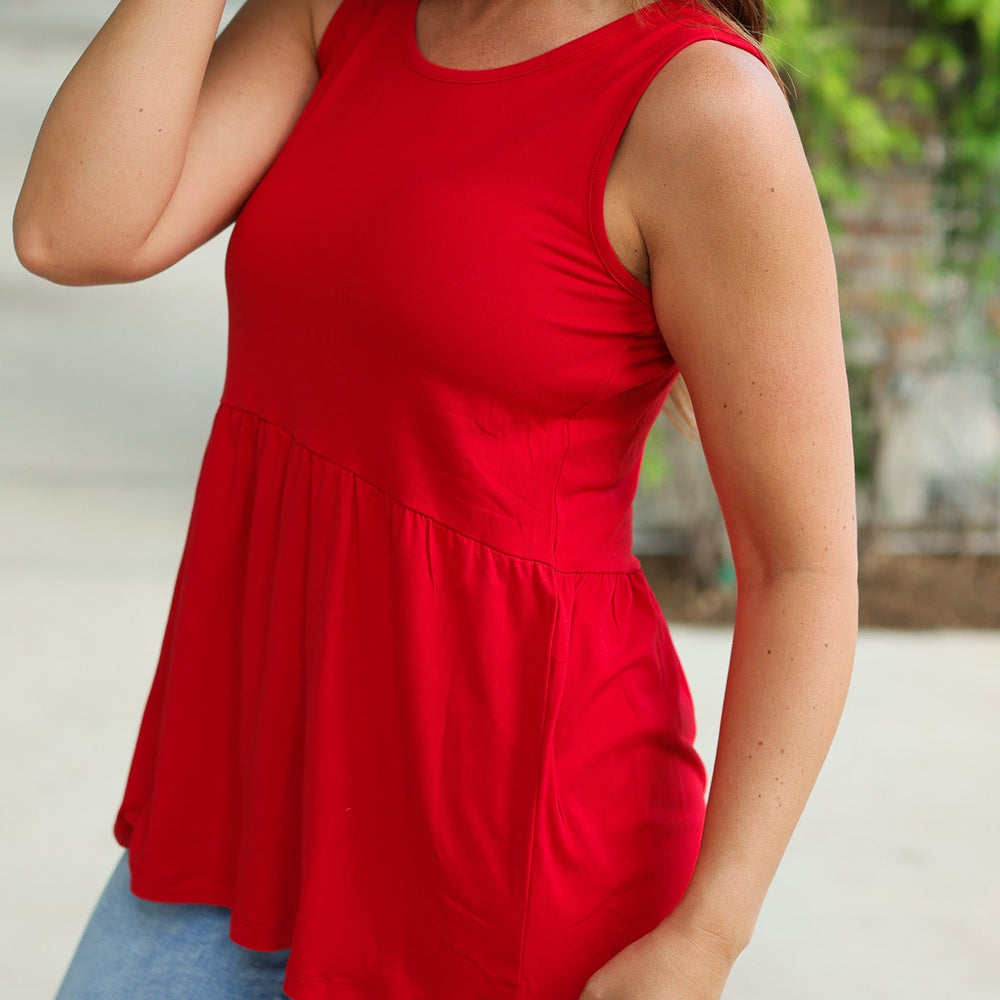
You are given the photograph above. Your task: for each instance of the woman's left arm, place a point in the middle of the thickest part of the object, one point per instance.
(745, 293)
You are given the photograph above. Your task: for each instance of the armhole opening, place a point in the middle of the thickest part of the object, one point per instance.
(332, 33)
(608, 146)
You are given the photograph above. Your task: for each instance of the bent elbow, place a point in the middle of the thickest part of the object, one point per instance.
(43, 254)
(34, 249)
(40, 254)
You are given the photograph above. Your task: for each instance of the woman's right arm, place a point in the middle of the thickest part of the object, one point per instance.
(159, 134)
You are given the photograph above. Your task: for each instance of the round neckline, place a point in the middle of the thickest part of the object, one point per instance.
(421, 63)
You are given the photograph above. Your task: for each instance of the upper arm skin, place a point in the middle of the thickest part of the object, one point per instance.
(745, 293)
(261, 73)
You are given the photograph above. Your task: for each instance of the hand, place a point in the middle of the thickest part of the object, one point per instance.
(671, 962)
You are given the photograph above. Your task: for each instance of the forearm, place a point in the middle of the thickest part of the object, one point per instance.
(112, 146)
(792, 656)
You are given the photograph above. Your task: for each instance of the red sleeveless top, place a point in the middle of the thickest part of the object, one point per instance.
(417, 715)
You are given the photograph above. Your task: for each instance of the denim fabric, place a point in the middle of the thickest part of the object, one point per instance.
(135, 949)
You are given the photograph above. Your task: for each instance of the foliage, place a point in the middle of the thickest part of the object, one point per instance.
(949, 74)
(861, 380)
(655, 468)
(952, 69)
(842, 128)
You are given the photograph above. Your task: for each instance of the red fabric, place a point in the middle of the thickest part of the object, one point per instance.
(417, 714)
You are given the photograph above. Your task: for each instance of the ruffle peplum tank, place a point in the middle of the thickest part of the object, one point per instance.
(417, 715)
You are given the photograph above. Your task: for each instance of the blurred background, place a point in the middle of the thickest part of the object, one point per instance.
(898, 103)
(889, 886)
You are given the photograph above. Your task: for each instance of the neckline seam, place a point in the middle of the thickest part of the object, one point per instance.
(552, 57)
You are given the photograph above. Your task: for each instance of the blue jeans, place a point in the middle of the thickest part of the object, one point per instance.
(135, 949)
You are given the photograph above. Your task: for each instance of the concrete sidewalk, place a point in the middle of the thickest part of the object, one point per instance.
(888, 889)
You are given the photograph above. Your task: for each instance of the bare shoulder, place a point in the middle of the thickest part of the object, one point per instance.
(713, 126)
(710, 91)
(718, 181)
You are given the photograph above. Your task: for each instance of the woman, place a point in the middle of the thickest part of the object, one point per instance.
(418, 728)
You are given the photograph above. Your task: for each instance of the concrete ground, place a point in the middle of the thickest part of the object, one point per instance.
(888, 889)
